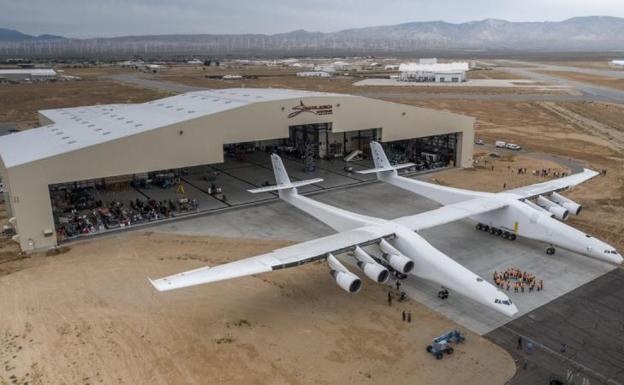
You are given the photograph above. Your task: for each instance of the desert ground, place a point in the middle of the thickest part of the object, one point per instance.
(88, 315)
(588, 78)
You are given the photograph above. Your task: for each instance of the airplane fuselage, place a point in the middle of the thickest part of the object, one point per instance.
(523, 220)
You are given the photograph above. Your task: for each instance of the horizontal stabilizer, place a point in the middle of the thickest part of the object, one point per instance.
(285, 186)
(383, 169)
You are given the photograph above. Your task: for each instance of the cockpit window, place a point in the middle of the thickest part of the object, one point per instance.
(504, 302)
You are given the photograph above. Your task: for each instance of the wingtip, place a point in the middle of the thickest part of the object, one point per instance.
(154, 284)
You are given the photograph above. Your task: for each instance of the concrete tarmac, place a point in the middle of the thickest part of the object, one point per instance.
(589, 321)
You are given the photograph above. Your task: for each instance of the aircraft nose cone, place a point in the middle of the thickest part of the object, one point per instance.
(512, 310)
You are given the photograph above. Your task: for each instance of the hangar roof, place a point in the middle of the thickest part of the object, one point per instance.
(28, 71)
(80, 127)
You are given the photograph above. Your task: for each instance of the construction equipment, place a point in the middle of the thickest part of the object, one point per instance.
(444, 343)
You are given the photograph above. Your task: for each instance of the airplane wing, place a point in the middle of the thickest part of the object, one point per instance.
(282, 258)
(450, 213)
(556, 185)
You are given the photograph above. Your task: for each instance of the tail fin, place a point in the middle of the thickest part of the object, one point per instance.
(282, 180)
(281, 176)
(382, 164)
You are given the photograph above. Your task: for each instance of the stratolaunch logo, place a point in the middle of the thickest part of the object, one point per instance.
(316, 110)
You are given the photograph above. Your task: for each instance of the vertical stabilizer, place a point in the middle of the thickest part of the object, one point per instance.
(379, 156)
(281, 176)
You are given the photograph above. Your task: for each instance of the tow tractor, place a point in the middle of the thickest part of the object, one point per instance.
(444, 343)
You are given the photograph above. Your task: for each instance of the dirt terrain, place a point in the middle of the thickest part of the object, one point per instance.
(491, 74)
(89, 316)
(20, 102)
(604, 81)
(281, 77)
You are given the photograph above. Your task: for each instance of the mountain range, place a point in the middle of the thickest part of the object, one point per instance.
(592, 33)
(10, 35)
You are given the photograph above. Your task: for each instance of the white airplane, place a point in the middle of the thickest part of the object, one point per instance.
(398, 248)
(509, 213)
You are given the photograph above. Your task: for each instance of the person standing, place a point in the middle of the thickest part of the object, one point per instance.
(519, 343)
(409, 317)
(389, 299)
(403, 314)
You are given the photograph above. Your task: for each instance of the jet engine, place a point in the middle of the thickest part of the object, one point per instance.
(558, 211)
(348, 281)
(370, 267)
(569, 204)
(396, 260)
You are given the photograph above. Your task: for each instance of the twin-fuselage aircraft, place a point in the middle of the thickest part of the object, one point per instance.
(381, 247)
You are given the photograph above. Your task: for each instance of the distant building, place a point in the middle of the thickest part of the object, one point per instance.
(325, 68)
(311, 74)
(345, 66)
(618, 63)
(19, 75)
(429, 70)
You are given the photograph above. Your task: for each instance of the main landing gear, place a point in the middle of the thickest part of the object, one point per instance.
(550, 250)
(495, 231)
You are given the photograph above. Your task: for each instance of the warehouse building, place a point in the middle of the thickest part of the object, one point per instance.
(59, 177)
(429, 70)
(19, 75)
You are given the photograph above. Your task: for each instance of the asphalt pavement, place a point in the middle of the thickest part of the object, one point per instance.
(578, 338)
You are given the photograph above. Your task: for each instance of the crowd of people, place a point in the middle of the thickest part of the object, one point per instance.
(517, 280)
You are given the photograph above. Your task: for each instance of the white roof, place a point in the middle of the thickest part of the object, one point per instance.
(438, 67)
(28, 71)
(80, 127)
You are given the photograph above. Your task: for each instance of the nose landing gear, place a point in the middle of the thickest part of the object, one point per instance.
(550, 250)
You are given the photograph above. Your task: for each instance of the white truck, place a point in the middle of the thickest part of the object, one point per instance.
(500, 144)
(513, 146)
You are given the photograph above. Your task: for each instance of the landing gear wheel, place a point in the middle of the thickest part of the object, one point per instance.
(449, 351)
(493, 230)
(439, 355)
(486, 228)
(512, 237)
(499, 232)
(429, 349)
(550, 251)
(479, 226)
(505, 235)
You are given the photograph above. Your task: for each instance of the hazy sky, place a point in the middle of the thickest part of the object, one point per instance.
(90, 18)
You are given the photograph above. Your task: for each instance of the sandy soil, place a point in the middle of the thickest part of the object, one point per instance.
(588, 78)
(89, 316)
(491, 74)
(496, 174)
(20, 102)
(602, 63)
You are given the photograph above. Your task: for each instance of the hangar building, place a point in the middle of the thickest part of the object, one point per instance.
(79, 151)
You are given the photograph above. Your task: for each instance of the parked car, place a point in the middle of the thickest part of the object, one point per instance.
(513, 146)
(500, 144)
(479, 142)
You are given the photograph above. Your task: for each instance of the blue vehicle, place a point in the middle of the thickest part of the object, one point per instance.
(444, 344)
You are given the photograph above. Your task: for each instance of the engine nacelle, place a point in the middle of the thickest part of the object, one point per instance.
(374, 271)
(569, 204)
(347, 281)
(558, 211)
(370, 267)
(396, 260)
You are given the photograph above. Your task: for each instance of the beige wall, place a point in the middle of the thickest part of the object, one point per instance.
(200, 141)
